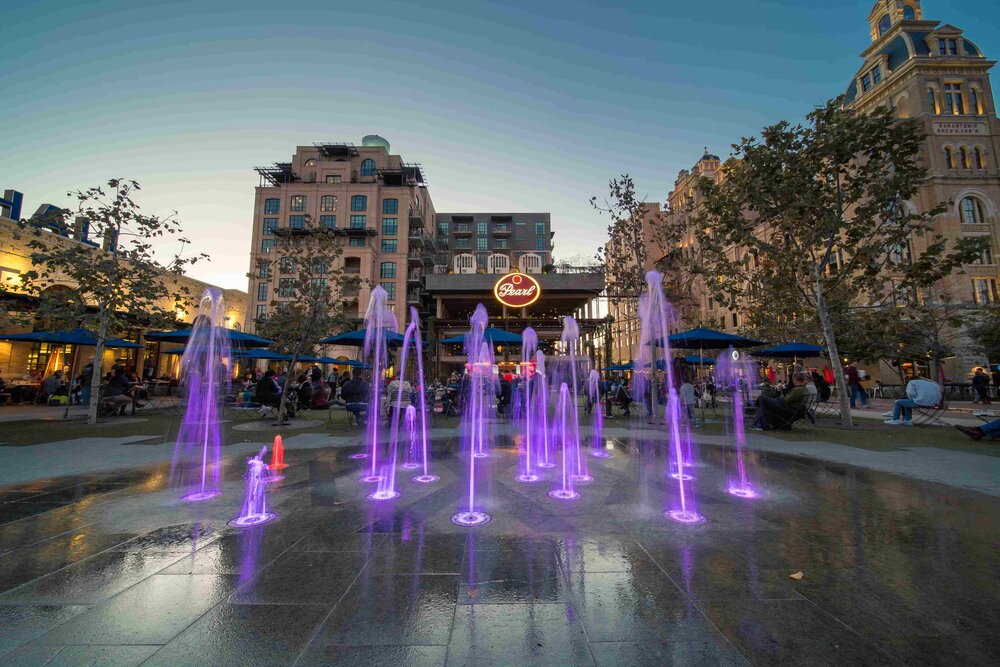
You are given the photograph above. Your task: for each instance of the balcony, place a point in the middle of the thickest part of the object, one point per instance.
(413, 297)
(462, 230)
(415, 258)
(416, 218)
(415, 277)
(419, 240)
(502, 230)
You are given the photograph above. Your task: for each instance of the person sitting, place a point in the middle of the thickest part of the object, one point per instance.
(119, 391)
(355, 395)
(989, 430)
(53, 386)
(303, 391)
(823, 390)
(777, 412)
(269, 393)
(920, 393)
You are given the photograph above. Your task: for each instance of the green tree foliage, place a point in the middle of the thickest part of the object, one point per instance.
(985, 334)
(814, 216)
(311, 292)
(111, 290)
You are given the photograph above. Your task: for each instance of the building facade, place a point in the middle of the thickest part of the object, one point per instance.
(494, 242)
(378, 203)
(931, 72)
(17, 359)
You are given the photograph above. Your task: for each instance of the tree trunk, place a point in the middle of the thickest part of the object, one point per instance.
(843, 397)
(282, 405)
(95, 379)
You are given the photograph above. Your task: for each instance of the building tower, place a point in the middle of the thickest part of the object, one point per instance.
(379, 204)
(933, 73)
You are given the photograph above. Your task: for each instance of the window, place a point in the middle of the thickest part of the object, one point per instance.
(974, 101)
(953, 101)
(900, 254)
(390, 206)
(736, 320)
(320, 265)
(388, 246)
(984, 290)
(480, 227)
(357, 242)
(359, 203)
(328, 203)
(481, 259)
(328, 221)
(541, 243)
(296, 222)
(311, 162)
(390, 226)
(272, 205)
(359, 221)
(443, 229)
(297, 203)
(387, 270)
(481, 243)
(270, 224)
(933, 96)
(501, 227)
(264, 270)
(286, 287)
(972, 211)
(980, 158)
(368, 167)
(266, 245)
(877, 75)
(261, 311)
(539, 229)
(390, 290)
(462, 244)
(963, 158)
(986, 256)
(262, 291)
(500, 243)
(949, 157)
(333, 178)
(908, 13)
(884, 24)
(286, 265)
(866, 82)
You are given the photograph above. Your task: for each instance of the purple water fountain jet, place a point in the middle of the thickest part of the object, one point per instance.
(529, 345)
(418, 345)
(570, 338)
(475, 413)
(379, 322)
(564, 437)
(206, 374)
(541, 391)
(594, 393)
(734, 374)
(254, 511)
(655, 315)
(410, 423)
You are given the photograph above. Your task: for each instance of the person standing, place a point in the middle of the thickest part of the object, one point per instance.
(981, 386)
(854, 386)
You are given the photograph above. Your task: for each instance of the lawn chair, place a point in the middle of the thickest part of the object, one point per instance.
(805, 412)
(931, 416)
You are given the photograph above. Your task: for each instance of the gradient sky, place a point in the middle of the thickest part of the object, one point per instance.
(513, 106)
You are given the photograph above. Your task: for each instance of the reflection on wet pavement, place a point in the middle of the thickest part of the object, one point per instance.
(114, 570)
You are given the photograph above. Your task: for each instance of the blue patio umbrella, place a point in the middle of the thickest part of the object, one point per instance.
(697, 359)
(709, 339)
(267, 355)
(67, 337)
(621, 367)
(491, 334)
(790, 351)
(357, 338)
(236, 338)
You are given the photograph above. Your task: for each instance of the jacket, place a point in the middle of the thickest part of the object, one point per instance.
(923, 392)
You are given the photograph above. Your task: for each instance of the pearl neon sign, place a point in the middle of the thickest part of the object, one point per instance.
(517, 290)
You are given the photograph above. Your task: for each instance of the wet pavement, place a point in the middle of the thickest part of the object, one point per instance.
(114, 570)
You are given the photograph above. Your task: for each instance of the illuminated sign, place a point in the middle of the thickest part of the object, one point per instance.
(517, 290)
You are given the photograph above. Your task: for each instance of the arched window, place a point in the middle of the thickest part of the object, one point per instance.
(368, 168)
(908, 13)
(980, 158)
(883, 25)
(963, 158)
(972, 211)
(311, 162)
(932, 94)
(949, 157)
(975, 101)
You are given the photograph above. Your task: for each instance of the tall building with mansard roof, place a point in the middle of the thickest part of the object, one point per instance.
(934, 73)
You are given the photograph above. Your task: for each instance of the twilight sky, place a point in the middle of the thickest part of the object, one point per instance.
(510, 106)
